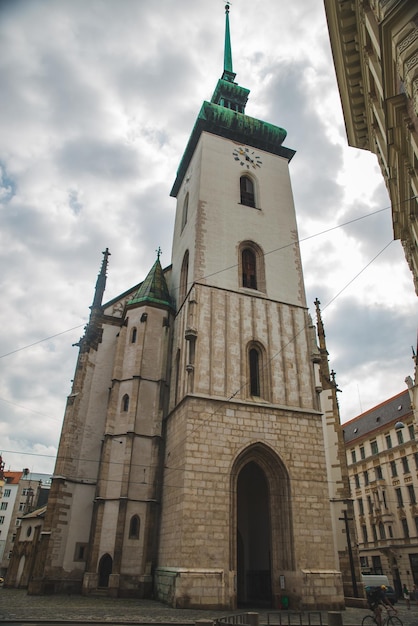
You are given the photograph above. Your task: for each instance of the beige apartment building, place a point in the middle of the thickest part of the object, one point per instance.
(382, 457)
(375, 49)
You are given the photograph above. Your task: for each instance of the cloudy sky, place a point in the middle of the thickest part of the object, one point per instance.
(97, 101)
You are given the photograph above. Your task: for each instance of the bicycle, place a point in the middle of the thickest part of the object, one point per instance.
(389, 620)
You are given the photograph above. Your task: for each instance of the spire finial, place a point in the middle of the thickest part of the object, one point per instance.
(158, 251)
(228, 71)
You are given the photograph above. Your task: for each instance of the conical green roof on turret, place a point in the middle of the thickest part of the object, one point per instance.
(153, 290)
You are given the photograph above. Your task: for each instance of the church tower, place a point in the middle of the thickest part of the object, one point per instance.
(192, 465)
(245, 506)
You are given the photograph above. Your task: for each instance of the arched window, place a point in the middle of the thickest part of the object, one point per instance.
(254, 366)
(185, 212)
(183, 276)
(246, 186)
(125, 403)
(257, 371)
(134, 527)
(251, 266)
(249, 269)
(133, 335)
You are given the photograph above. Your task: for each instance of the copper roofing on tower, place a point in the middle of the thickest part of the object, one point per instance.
(392, 410)
(153, 290)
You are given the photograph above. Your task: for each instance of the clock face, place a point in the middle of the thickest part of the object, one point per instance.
(246, 157)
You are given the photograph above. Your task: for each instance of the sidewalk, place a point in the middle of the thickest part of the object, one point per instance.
(16, 605)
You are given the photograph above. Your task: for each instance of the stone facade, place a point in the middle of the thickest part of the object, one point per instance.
(192, 464)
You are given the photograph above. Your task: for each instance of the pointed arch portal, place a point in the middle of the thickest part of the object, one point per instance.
(105, 569)
(253, 537)
(262, 534)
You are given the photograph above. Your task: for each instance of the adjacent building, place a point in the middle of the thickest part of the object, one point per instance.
(22, 492)
(382, 457)
(375, 49)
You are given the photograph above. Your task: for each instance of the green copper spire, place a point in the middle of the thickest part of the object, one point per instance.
(228, 71)
(153, 290)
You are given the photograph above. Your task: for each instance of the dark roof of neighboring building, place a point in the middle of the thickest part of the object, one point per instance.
(382, 415)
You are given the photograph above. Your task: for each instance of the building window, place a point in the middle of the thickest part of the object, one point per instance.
(247, 191)
(366, 477)
(390, 532)
(411, 494)
(6, 493)
(405, 465)
(362, 453)
(125, 403)
(388, 442)
(393, 469)
(185, 212)
(361, 506)
(416, 460)
(399, 435)
(399, 496)
(184, 276)
(370, 504)
(382, 532)
(378, 472)
(249, 269)
(251, 266)
(353, 456)
(374, 447)
(411, 432)
(374, 530)
(3, 506)
(384, 499)
(377, 565)
(405, 527)
(1, 519)
(357, 481)
(416, 524)
(364, 533)
(134, 526)
(133, 335)
(80, 552)
(364, 562)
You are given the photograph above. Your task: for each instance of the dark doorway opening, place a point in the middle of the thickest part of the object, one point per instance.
(253, 538)
(105, 569)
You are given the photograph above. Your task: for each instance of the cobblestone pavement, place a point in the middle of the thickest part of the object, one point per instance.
(17, 606)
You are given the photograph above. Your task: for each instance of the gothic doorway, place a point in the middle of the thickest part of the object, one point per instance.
(262, 543)
(253, 537)
(105, 569)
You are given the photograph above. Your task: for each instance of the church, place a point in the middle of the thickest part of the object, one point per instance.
(192, 466)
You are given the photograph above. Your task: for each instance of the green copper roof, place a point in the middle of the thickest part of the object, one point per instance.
(153, 290)
(218, 120)
(225, 116)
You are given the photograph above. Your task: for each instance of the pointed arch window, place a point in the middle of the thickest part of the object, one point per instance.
(125, 403)
(184, 276)
(134, 526)
(247, 191)
(257, 371)
(185, 211)
(251, 266)
(249, 269)
(133, 335)
(254, 363)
